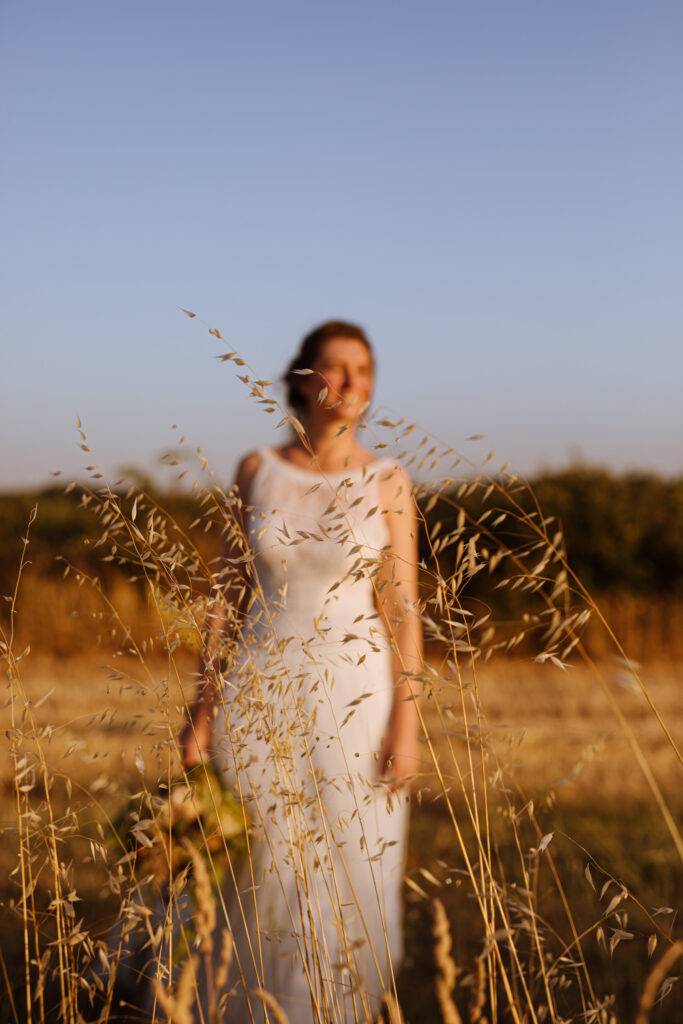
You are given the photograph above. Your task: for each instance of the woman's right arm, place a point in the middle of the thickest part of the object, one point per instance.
(195, 738)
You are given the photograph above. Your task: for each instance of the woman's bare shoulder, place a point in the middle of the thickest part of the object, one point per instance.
(246, 471)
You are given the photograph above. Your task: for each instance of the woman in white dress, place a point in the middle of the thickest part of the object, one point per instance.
(315, 722)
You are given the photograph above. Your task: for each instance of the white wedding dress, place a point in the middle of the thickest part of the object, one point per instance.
(318, 922)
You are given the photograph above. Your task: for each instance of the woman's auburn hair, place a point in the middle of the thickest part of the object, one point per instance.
(309, 350)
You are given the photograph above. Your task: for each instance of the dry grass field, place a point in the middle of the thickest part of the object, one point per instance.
(543, 879)
(551, 730)
(546, 736)
(554, 730)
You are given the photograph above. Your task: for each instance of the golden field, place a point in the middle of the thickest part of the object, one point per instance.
(543, 879)
(552, 730)
(533, 732)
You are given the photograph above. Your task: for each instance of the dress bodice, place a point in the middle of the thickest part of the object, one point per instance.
(317, 539)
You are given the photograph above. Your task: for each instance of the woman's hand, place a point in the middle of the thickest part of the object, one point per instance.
(399, 756)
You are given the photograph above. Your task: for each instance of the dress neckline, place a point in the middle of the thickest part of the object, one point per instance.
(312, 474)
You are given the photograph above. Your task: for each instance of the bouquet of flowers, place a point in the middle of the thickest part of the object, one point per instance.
(165, 839)
(198, 810)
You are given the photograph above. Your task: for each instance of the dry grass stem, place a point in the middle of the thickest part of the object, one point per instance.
(478, 1000)
(445, 978)
(279, 1015)
(655, 981)
(394, 1015)
(178, 1006)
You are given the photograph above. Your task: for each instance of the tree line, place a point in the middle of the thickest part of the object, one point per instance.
(623, 533)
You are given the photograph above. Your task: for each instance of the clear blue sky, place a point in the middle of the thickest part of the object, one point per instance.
(492, 188)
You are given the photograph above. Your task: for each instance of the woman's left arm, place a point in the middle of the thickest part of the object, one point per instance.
(398, 605)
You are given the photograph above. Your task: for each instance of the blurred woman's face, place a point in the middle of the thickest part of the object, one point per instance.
(344, 367)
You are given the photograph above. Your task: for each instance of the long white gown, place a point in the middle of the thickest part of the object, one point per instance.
(318, 925)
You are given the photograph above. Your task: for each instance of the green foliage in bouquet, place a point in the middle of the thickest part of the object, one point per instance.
(158, 830)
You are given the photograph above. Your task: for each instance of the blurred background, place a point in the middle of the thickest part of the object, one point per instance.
(492, 190)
